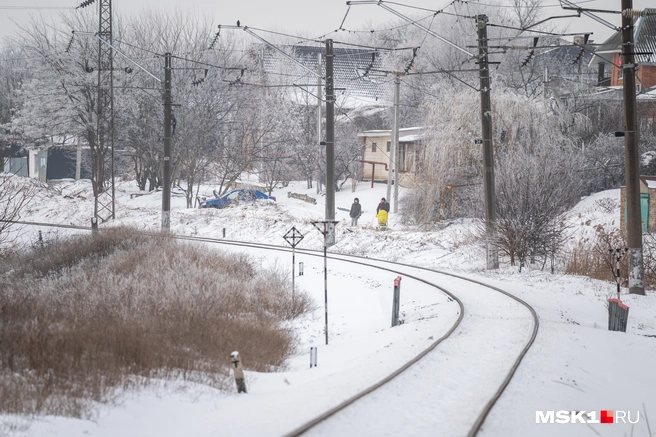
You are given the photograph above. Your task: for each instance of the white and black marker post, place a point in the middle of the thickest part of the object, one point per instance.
(293, 237)
(618, 253)
(396, 302)
(313, 357)
(328, 232)
(238, 371)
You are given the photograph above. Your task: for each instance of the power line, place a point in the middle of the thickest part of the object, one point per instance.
(514, 7)
(303, 39)
(36, 7)
(376, 30)
(138, 48)
(207, 64)
(374, 48)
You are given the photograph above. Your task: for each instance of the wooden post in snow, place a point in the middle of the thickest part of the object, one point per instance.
(238, 371)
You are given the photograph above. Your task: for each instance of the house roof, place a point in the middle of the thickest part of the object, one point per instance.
(647, 94)
(354, 69)
(409, 138)
(606, 49)
(644, 38)
(406, 134)
(567, 53)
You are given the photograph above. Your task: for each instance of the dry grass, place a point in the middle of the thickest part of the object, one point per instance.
(81, 317)
(592, 258)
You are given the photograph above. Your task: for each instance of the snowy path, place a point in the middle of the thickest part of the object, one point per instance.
(447, 389)
(444, 393)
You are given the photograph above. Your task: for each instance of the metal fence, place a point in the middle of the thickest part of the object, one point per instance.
(17, 166)
(618, 315)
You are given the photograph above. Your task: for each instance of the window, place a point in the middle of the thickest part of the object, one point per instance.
(389, 145)
(403, 148)
(620, 74)
(373, 147)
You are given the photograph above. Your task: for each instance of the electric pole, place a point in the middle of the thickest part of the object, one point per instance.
(394, 149)
(330, 133)
(319, 93)
(166, 189)
(631, 163)
(488, 150)
(103, 184)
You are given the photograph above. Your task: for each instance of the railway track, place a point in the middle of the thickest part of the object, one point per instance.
(481, 338)
(442, 414)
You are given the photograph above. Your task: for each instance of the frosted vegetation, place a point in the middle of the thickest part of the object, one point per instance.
(75, 328)
(84, 316)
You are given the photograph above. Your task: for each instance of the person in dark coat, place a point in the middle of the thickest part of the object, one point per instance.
(356, 212)
(384, 205)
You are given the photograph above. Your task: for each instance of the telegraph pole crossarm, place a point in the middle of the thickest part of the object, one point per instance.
(78, 32)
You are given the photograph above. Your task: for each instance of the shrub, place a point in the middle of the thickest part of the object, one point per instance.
(81, 317)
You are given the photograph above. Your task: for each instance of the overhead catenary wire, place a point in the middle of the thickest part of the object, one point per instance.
(206, 64)
(374, 48)
(38, 7)
(500, 6)
(414, 23)
(303, 39)
(387, 29)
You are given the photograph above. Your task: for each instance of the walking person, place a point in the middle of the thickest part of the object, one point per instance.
(356, 212)
(382, 211)
(384, 205)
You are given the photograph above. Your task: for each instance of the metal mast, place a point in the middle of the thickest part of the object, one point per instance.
(103, 152)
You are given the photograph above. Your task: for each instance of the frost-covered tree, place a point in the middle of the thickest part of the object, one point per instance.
(536, 183)
(15, 194)
(538, 168)
(59, 98)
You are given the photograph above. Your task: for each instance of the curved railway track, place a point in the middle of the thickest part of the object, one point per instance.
(419, 274)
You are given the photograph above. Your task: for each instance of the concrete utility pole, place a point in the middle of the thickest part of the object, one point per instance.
(488, 149)
(394, 150)
(330, 133)
(166, 189)
(319, 97)
(633, 219)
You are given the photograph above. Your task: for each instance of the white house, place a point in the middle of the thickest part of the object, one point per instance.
(376, 154)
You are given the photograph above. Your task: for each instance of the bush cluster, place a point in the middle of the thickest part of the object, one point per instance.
(84, 316)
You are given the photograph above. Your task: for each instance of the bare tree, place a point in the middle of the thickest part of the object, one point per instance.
(534, 188)
(15, 194)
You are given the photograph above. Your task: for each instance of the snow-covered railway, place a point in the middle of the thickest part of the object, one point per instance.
(449, 387)
(477, 357)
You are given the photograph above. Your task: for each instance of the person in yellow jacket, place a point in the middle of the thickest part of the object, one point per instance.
(382, 212)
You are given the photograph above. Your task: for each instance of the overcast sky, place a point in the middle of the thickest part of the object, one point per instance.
(310, 17)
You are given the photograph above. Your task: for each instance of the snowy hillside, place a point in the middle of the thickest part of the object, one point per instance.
(575, 363)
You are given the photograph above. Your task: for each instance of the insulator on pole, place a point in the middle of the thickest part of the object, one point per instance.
(633, 13)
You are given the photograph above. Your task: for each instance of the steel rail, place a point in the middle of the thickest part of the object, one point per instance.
(478, 423)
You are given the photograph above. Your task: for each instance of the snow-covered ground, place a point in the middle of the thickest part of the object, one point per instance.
(575, 363)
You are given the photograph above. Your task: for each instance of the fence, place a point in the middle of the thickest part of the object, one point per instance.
(618, 315)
